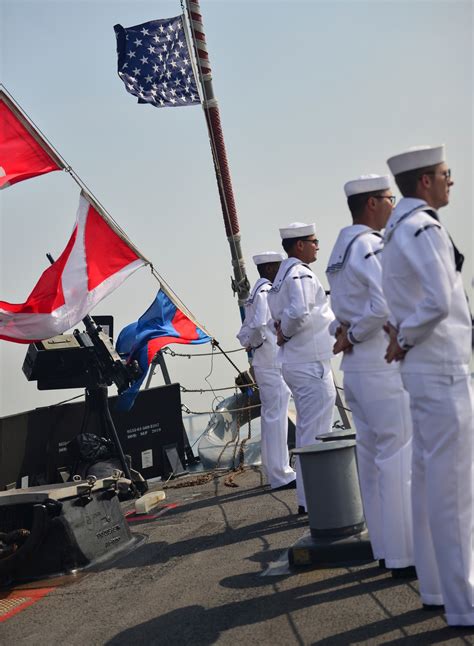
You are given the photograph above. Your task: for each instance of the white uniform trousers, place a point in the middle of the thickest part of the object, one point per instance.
(274, 397)
(442, 497)
(381, 412)
(314, 393)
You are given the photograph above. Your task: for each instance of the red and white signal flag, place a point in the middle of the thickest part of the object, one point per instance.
(97, 259)
(24, 152)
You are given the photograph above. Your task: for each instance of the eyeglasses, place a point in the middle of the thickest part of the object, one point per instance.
(315, 241)
(445, 173)
(392, 198)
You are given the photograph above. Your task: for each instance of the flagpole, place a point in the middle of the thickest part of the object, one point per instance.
(240, 283)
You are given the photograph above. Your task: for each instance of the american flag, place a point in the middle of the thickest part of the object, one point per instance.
(155, 64)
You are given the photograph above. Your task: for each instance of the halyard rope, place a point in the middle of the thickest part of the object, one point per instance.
(172, 353)
(183, 389)
(217, 410)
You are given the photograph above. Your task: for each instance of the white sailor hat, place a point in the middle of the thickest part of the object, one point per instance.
(417, 157)
(267, 256)
(367, 184)
(297, 230)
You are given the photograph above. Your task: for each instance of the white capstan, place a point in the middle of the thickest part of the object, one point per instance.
(417, 157)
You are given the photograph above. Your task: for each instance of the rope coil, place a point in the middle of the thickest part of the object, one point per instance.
(238, 445)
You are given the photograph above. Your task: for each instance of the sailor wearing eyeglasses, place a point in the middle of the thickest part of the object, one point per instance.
(373, 389)
(302, 315)
(430, 335)
(259, 335)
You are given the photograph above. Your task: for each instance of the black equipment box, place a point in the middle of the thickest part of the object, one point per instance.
(78, 360)
(33, 444)
(59, 362)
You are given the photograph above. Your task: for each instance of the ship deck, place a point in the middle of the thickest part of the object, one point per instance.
(211, 568)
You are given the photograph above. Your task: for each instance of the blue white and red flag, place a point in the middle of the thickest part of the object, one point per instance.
(163, 323)
(154, 63)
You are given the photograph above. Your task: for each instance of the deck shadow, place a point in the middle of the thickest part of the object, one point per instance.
(205, 626)
(227, 536)
(251, 580)
(218, 497)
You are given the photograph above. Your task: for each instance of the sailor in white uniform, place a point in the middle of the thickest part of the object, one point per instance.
(299, 306)
(258, 334)
(430, 335)
(373, 388)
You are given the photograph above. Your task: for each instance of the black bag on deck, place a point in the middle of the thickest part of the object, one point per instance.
(85, 450)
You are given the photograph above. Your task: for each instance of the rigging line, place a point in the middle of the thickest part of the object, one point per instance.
(216, 344)
(206, 378)
(213, 142)
(188, 411)
(217, 398)
(172, 353)
(196, 441)
(65, 401)
(205, 390)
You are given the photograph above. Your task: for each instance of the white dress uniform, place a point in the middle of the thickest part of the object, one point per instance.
(375, 394)
(298, 301)
(426, 297)
(258, 332)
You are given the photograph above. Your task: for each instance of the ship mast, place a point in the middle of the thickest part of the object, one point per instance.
(240, 283)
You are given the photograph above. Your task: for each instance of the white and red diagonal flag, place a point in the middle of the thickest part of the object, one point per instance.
(24, 153)
(94, 263)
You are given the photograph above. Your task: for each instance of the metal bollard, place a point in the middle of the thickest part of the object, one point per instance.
(336, 518)
(330, 467)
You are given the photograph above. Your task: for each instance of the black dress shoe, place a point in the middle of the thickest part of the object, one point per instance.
(302, 510)
(288, 485)
(461, 626)
(404, 572)
(433, 607)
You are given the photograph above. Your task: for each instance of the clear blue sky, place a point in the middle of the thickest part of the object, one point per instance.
(311, 94)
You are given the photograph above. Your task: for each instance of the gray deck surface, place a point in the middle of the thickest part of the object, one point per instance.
(203, 577)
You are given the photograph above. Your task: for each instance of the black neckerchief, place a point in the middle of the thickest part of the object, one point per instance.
(458, 256)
